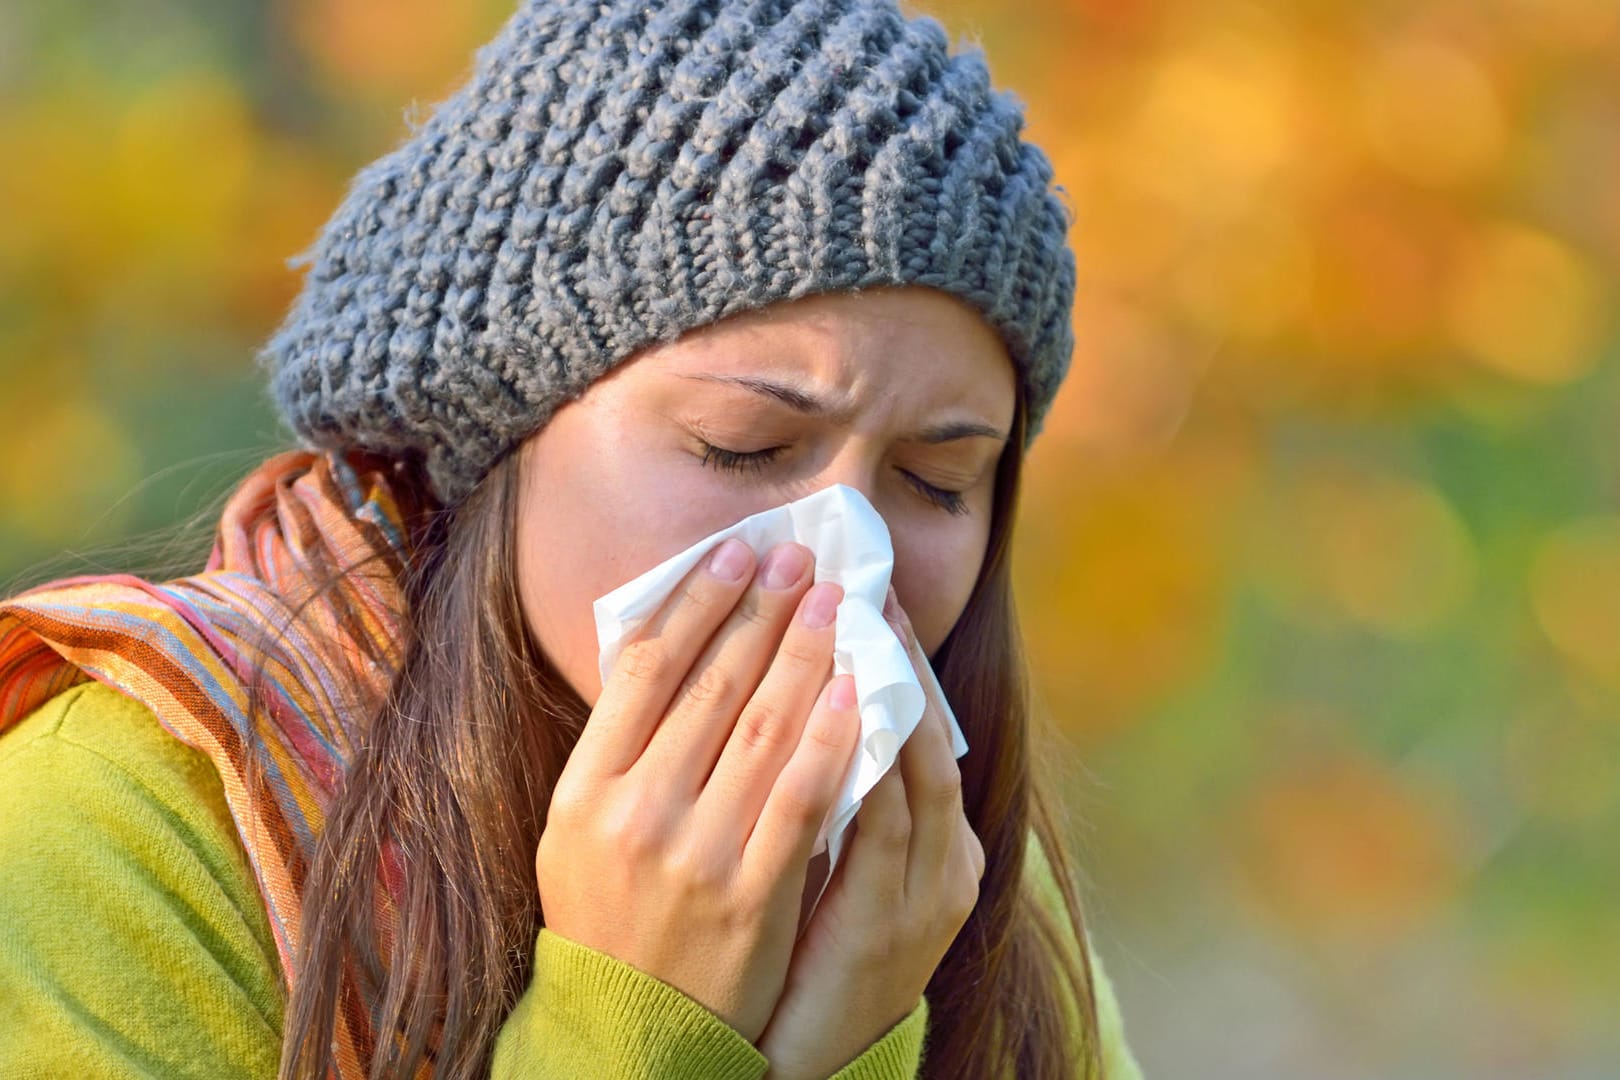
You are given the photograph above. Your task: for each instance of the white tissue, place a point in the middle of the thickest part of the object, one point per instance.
(852, 547)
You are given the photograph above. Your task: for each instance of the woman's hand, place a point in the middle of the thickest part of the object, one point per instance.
(679, 834)
(906, 884)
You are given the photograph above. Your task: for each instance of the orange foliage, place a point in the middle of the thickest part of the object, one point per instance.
(1342, 847)
(391, 49)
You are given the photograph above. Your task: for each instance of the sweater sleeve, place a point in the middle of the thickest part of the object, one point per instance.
(585, 1010)
(586, 1013)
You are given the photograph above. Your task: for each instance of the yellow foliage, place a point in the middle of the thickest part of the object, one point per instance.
(1575, 591)
(67, 467)
(1431, 112)
(1523, 303)
(1379, 551)
(391, 49)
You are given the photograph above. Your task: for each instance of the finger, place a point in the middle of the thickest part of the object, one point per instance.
(934, 709)
(933, 785)
(763, 739)
(875, 860)
(643, 680)
(780, 842)
(932, 777)
(721, 689)
(901, 624)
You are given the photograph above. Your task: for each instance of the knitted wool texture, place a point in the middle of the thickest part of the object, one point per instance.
(615, 173)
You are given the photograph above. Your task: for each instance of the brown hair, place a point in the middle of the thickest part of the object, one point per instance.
(454, 769)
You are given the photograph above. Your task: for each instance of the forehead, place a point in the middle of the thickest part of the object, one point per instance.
(916, 343)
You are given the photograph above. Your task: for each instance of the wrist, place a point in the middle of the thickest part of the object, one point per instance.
(898, 1051)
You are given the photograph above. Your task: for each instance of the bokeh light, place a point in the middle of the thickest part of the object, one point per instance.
(1319, 557)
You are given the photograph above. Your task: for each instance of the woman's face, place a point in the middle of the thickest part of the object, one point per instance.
(893, 392)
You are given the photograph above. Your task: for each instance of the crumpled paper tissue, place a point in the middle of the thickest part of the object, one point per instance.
(852, 547)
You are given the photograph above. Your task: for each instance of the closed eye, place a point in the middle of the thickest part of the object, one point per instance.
(737, 461)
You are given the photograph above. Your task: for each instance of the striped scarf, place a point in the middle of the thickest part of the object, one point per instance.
(189, 650)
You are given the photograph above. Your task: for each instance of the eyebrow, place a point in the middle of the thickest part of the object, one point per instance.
(810, 405)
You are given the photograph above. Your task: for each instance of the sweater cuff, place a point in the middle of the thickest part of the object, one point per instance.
(896, 1056)
(584, 1006)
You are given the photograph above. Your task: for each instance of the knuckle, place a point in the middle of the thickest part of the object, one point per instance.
(713, 685)
(699, 593)
(644, 660)
(962, 897)
(797, 803)
(633, 827)
(803, 651)
(892, 831)
(943, 787)
(825, 734)
(567, 802)
(754, 612)
(751, 904)
(695, 868)
(575, 802)
(760, 726)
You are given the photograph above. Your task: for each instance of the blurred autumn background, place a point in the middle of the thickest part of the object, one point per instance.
(1320, 553)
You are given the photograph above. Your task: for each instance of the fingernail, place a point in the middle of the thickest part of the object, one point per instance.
(784, 565)
(843, 692)
(821, 606)
(730, 560)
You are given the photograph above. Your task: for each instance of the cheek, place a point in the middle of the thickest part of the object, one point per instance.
(556, 576)
(581, 531)
(592, 519)
(934, 572)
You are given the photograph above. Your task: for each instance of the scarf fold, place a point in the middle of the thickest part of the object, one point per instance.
(190, 649)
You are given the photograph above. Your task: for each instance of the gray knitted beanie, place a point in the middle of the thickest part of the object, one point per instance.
(615, 173)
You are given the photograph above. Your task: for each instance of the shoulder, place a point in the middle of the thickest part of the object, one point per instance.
(95, 757)
(95, 726)
(91, 784)
(130, 906)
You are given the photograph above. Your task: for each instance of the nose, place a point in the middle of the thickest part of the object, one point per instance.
(856, 467)
(852, 467)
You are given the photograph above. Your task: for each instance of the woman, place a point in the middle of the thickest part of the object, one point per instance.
(355, 798)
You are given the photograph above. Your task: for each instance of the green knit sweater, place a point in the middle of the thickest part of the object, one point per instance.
(133, 940)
